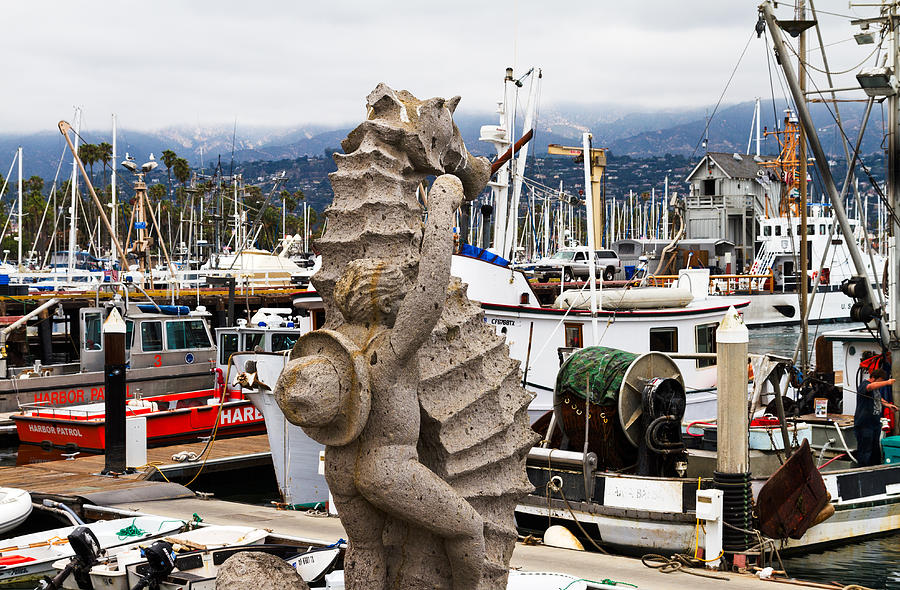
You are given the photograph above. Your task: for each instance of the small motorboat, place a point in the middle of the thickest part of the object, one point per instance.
(170, 418)
(160, 566)
(29, 557)
(15, 506)
(110, 570)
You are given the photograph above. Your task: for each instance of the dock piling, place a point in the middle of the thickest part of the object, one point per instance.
(114, 381)
(733, 457)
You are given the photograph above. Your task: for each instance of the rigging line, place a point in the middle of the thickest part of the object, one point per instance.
(771, 84)
(807, 64)
(6, 180)
(865, 168)
(836, 14)
(722, 96)
(49, 198)
(544, 189)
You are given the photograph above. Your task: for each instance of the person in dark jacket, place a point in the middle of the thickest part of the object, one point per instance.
(867, 418)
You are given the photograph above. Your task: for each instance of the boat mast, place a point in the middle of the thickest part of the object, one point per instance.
(804, 243)
(893, 194)
(591, 237)
(112, 199)
(19, 236)
(73, 211)
(819, 154)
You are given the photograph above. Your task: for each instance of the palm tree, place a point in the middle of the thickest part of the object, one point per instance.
(182, 171)
(104, 155)
(168, 159)
(87, 152)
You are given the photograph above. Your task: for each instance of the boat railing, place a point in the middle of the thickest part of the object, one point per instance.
(734, 284)
(81, 413)
(29, 371)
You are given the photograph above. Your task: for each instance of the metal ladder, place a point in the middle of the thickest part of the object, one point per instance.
(763, 261)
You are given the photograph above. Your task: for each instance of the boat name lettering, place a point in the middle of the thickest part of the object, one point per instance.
(238, 415)
(498, 322)
(51, 429)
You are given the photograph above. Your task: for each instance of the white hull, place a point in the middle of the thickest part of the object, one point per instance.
(781, 309)
(647, 514)
(15, 506)
(295, 456)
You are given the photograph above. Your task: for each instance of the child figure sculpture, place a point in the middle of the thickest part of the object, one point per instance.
(355, 389)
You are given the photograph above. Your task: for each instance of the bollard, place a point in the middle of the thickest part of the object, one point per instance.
(114, 391)
(733, 457)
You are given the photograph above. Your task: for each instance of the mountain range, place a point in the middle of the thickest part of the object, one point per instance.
(625, 132)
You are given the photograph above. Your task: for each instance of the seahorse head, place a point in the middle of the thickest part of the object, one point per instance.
(424, 130)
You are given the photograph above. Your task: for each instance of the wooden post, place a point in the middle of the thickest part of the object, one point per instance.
(114, 391)
(45, 332)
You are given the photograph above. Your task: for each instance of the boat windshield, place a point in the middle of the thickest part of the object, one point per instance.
(563, 256)
(181, 335)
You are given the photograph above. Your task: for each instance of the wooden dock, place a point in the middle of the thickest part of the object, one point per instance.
(78, 480)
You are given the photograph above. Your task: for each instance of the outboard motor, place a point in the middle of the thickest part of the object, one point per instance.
(87, 550)
(160, 562)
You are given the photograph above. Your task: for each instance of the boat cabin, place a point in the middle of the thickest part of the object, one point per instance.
(155, 336)
(269, 330)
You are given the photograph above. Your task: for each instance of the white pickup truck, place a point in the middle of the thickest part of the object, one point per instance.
(572, 263)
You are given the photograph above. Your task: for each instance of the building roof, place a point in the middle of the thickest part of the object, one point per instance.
(732, 167)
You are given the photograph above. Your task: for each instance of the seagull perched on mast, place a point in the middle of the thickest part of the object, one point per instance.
(128, 162)
(148, 166)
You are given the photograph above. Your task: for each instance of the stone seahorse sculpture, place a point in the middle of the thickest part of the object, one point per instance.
(474, 426)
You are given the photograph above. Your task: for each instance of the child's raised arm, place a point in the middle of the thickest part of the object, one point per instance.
(422, 306)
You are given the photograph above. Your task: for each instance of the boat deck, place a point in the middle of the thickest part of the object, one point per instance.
(78, 480)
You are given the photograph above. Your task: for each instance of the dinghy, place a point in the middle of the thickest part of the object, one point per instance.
(15, 506)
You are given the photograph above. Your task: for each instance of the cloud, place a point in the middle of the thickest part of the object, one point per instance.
(281, 62)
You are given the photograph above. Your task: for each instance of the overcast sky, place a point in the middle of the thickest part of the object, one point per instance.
(287, 62)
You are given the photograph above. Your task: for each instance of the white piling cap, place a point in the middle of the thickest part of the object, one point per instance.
(732, 329)
(114, 324)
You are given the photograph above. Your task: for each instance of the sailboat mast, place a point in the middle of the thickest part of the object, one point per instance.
(73, 211)
(114, 215)
(19, 237)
